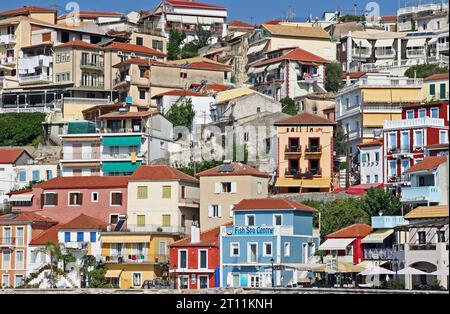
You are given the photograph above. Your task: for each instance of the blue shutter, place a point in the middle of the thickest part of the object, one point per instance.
(36, 175)
(66, 237)
(22, 176)
(93, 237)
(80, 236)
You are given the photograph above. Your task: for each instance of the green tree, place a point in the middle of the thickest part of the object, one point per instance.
(339, 140)
(97, 278)
(288, 106)
(176, 38)
(377, 199)
(189, 50)
(424, 70)
(199, 166)
(182, 114)
(333, 76)
(21, 129)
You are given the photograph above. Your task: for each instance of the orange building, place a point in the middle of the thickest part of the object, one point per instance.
(305, 154)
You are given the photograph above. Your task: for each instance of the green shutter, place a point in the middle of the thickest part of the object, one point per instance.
(122, 141)
(120, 166)
(443, 91)
(432, 89)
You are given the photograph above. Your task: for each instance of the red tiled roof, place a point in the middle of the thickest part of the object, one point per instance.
(237, 23)
(134, 48)
(78, 43)
(212, 87)
(361, 189)
(207, 66)
(352, 231)
(305, 118)
(84, 182)
(93, 14)
(10, 155)
(84, 222)
(181, 92)
(160, 173)
(389, 18)
(371, 143)
(239, 169)
(50, 235)
(25, 217)
(353, 75)
(141, 62)
(428, 164)
(440, 76)
(193, 4)
(297, 54)
(207, 238)
(26, 10)
(127, 115)
(272, 22)
(272, 203)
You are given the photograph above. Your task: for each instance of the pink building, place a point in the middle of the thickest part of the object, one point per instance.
(65, 198)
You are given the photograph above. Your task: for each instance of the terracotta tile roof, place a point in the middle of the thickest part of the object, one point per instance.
(371, 143)
(10, 155)
(78, 43)
(352, 231)
(297, 54)
(181, 92)
(207, 238)
(212, 87)
(116, 105)
(440, 76)
(423, 212)
(353, 75)
(134, 48)
(25, 217)
(84, 182)
(237, 23)
(50, 235)
(26, 10)
(93, 14)
(193, 4)
(140, 61)
(428, 164)
(239, 169)
(206, 66)
(389, 18)
(305, 118)
(272, 203)
(296, 31)
(160, 173)
(84, 222)
(272, 22)
(127, 115)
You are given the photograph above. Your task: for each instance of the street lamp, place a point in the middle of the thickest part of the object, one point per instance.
(174, 276)
(273, 279)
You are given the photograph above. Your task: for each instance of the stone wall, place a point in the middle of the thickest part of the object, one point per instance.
(321, 197)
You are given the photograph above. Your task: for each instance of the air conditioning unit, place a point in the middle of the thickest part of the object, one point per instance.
(119, 53)
(133, 55)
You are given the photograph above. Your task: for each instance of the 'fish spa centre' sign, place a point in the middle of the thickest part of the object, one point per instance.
(251, 230)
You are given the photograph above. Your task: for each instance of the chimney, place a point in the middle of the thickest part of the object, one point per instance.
(195, 234)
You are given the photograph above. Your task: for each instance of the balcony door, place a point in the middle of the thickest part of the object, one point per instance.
(405, 141)
(77, 148)
(314, 144)
(294, 166)
(314, 165)
(293, 144)
(252, 252)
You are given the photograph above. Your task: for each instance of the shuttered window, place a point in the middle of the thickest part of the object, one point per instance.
(142, 192)
(116, 198)
(166, 220)
(141, 220)
(166, 191)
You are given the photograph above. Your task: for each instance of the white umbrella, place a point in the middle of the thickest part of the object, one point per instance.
(440, 272)
(411, 271)
(376, 270)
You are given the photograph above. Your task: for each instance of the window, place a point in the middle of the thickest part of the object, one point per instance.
(142, 94)
(94, 197)
(226, 187)
(113, 219)
(357, 100)
(203, 259)
(67, 237)
(434, 113)
(252, 253)
(80, 236)
(6, 259)
(167, 192)
(214, 211)
(93, 237)
(22, 176)
(203, 282)
(377, 156)
(349, 250)
(50, 199)
(367, 179)
(139, 41)
(441, 236)
(259, 188)
(5, 281)
(443, 137)
(116, 198)
(267, 249)
(75, 198)
(432, 90)
(234, 249)
(376, 179)
(277, 220)
(36, 176)
(183, 282)
(418, 138)
(392, 168)
(249, 220)
(442, 91)
(142, 192)
(422, 237)
(162, 145)
(405, 165)
(137, 280)
(166, 220)
(140, 220)
(422, 112)
(157, 44)
(18, 281)
(410, 114)
(392, 140)
(142, 72)
(20, 236)
(182, 259)
(49, 174)
(287, 249)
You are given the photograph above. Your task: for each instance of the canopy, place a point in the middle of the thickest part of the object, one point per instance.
(440, 272)
(378, 236)
(362, 42)
(432, 41)
(342, 268)
(259, 70)
(384, 43)
(335, 244)
(376, 270)
(369, 264)
(21, 198)
(120, 166)
(411, 271)
(313, 183)
(256, 48)
(417, 42)
(126, 239)
(273, 66)
(122, 141)
(113, 273)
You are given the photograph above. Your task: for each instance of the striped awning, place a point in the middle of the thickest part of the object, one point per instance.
(362, 42)
(417, 42)
(378, 236)
(384, 43)
(256, 48)
(126, 239)
(336, 244)
(113, 273)
(21, 198)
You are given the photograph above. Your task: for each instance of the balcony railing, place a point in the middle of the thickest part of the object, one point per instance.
(79, 100)
(158, 229)
(421, 194)
(412, 123)
(422, 246)
(7, 38)
(298, 174)
(80, 156)
(421, 8)
(293, 149)
(313, 149)
(92, 84)
(378, 254)
(415, 53)
(7, 61)
(10, 241)
(136, 258)
(361, 53)
(382, 53)
(443, 46)
(92, 65)
(41, 78)
(404, 27)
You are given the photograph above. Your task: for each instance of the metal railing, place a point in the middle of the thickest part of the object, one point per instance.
(313, 149)
(384, 53)
(293, 149)
(410, 123)
(158, 229)
(363, 53)
(415, 53)
(70, 100)
(308, 173)
(422, 246)
(7, 61)
(378, 254)
(92, 65)
(80, 156)
(135, 258)
(92, 84)
(11, 241)
(7, 38)
(35, 79)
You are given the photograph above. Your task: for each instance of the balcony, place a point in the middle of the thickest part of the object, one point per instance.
(413, 123)
(35, 79)
(387, 222)
(421, 194)
(93, 85)
(378, 254)
(404, 180)
(443, 46)
(7, 39)
(92, 65)
(11, 242)
(8, 61)
(313, 150)
(422, 246)
(159, 229)
(384, 53)
(298, 174)
(79, 100)
(415, 53)
(81, 156)
(136, 258)
(361, 53)
(404, 27)
(421, 8)
(293, 150)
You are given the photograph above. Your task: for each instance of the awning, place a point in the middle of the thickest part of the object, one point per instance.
(417, 42)
(273, 66)
(81, 164)
(122, 141)
(113, 273)
(256, 48)
(21, 198)
(125, 239)
(377, 236)
(259, 70)
(251, 70)
(312, 183)
(384, 43)
(82, 139)
(362, 42)
(341, 268)
(432, 41)
(120, 166)
(335, 244)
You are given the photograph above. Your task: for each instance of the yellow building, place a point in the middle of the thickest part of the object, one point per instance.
(131, 258)
(436, 87)
(305, 154)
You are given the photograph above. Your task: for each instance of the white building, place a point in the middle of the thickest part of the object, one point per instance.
(423, 17)
(371, 162)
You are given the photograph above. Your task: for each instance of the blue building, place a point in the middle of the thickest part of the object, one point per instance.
(267, 236)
